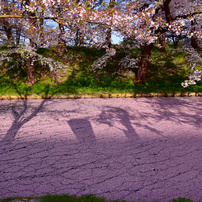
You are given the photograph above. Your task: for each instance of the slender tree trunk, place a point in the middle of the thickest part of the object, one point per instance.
(162, 41)
(194, 39)
(6, 25)
(62, 31)
(31, 78)
(109, 30)
(62, 42)
(19, 26)
(18, 34)
(41, 23)
(77, 38)
(108, 38)
(8, 30)
(81, 39)
(162, 37)
(167, 10)
(144, 63)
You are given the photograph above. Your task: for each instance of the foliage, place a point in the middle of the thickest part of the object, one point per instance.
(68, 198)
(181, 200)
(166, 72)
(194, 61)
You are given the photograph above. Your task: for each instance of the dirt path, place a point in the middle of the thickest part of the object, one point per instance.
(133, 149)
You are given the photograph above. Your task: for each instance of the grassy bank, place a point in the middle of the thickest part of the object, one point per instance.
(166, 73)
(68, 198)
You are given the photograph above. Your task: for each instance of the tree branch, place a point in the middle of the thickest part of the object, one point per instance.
(186, 15)
(26, 17)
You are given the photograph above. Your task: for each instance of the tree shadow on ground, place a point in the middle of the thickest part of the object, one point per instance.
(110, 115)
(178, 110)
(158, 170)
(19, 115)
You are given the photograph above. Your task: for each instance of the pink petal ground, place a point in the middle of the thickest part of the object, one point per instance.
(139, 149)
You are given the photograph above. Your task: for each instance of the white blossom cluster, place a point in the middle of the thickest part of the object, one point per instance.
(193, 59)
(195, 76)
(128, 62)
(3, 57)
(30, 8)
(102, 62)
(26, 52)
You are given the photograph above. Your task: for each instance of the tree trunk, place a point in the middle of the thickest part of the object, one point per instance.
(41, 24)
(109, 30)
(176, 40)
(162, 36)
(108, 38)
(18, 34)
(162, 41)
(8, 30)
(31, 77)
(167, 10)
(77, 38)
(194, 40)
(81, 38)
(6, 25)
(62, 42)
(30, 70)
(144, 63)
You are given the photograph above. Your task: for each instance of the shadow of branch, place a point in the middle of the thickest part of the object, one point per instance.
(122, 116)
(19, 115)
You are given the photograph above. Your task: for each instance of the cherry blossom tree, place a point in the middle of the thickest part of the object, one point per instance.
(143, 21)
(162, 17)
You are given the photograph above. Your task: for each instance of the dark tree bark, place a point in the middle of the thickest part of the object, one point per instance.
(144, 63)
(6, 25)
(162, 38)
(194, 42)
(175, 39)
(18, 34)
(8, 29)
(194, 39)
(167, 10)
